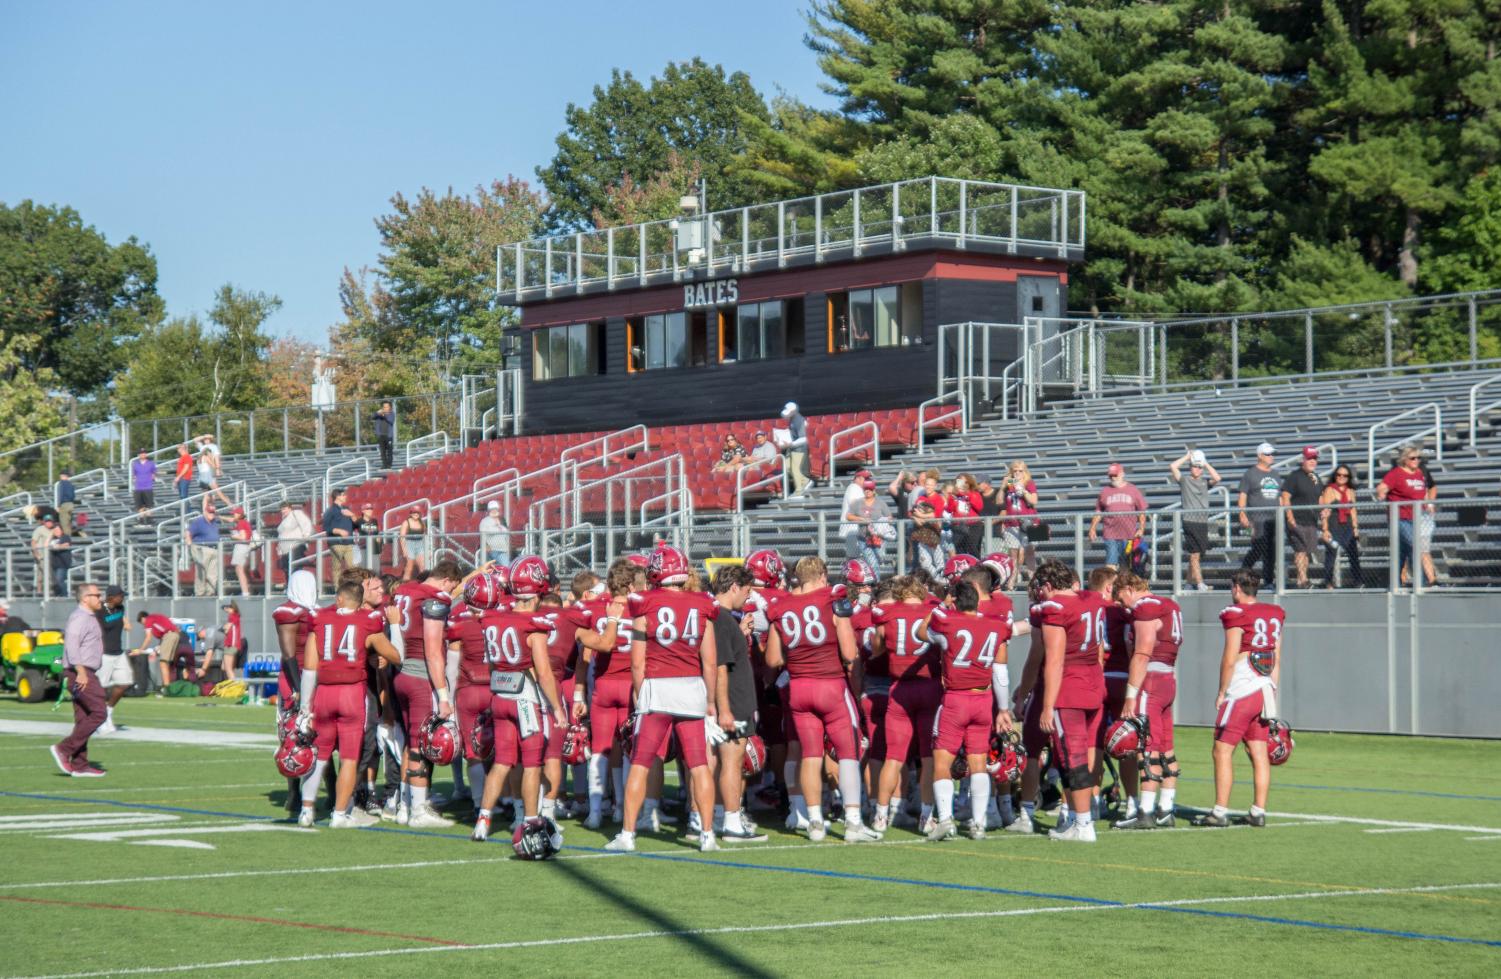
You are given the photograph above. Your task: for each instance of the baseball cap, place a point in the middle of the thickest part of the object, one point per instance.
(789, 408)
(1309, 452)
(1114, 470)
(1265, 449)
(760, 435)
(49, 518)
(1196, 457)
(869, 484)
(114, 590)
(863, 474)
(493, 505)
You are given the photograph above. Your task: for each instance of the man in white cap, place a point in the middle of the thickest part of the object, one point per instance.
(797, 449)
(1261, 490)
(494, 536)
(1194, 487)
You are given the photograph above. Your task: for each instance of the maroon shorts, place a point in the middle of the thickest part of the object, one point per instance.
(909, 717)
(822, 707)
(1115, 697)
(339, 720)
(964, 720)
(468, 702)
(510, 746)
(609, 711)
(651, 739)
(772, 712)
(1155, 703)
(1240, 720)
(557, 736)
(414, 703)
(1034, 738)
(1075, 731)
(873, 710)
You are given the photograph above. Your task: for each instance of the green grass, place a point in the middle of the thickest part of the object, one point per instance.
(403, 901)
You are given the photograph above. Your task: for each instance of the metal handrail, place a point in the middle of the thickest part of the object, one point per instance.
(1226, 514)
(1476, 412)
(350, 465)
(874, 445)
(403, 508)
(1368, 306)
(923, 422)
(742, 487)
(432, 446)
(81, 482)
(576, 490)
(1438, 435)
(604, 453)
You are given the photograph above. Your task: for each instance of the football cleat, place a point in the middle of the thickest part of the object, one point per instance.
(860, 833)
(594, 820)
(747, 834)
(1138, 821)
(438, 741)
(481, 831)
(389, 810)
(403, 814)
(622, 844)
(1021, 824)
(305, 817)
(355, 819)
(538, 838)
(530, 577)
(976, 830)
(1164, 820)
(942, 829)
(426, 817)
(1210, 819)
(1074, 833)
(706, 843)
(878, 822)
(817, 831)
(1257, 819)
(650, 821)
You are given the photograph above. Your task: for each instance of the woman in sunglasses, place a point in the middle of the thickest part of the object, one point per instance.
(1340, 524)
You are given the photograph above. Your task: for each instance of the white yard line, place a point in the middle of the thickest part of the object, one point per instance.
(758, 929)
(152, 735)
(1393, 823)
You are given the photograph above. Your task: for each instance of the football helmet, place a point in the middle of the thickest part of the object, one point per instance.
(530, 577)
(482, 738)
(1125, 737)
(1279, 742)
(625, 736)
(639, 560)
(286, 719)
(858, 572)
(1006, 762)
(502, 574)
(766, 568)
(484, 591)
(297, 755)
(538, 838)
(576, 744)
(755, 756)
(956, 567)
(668, 566)
(1001, 565)
(438, 744)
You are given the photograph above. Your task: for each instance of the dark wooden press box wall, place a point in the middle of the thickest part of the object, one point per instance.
(945, 288)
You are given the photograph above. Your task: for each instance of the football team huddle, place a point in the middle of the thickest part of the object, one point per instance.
(875, 703)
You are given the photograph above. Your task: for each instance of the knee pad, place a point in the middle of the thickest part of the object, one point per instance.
(1078, 778)
(416, 771)
(1151, 768)
(1169, 765)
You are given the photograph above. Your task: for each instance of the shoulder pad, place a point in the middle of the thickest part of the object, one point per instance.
(842, 607)
(940, 613)
(435, 608)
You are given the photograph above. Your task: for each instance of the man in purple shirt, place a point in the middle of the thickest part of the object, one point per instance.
(1124, 504)
(143, 482)
(83, 654)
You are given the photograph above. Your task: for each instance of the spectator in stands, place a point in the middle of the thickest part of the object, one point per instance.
(1193, 489)
(65, 498)
(210, 466)
(413, 544)
(1019, 501)
(867, 526)
(855, 491)
(797, 448)
(385, 432)
(1406, 482)
(927, 551)
(1260, 490)
(731, 456)
(60, 555)
(242, 533)
(763, 450)
(494, 535)
(202, 540)
(368, 529)
(1300, 492)
(928, 492)
(183, 479)
(169, 652)
(1127, 519)
(292, 535)
(965, 504)
(143, 483)
(899, 494)
(338, 527)
(41, 542)
(1343, 532)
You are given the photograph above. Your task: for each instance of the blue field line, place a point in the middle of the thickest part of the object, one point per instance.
(846, 875)
(1358, 788)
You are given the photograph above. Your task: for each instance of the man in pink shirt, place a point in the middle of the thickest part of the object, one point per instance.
(1121, 507)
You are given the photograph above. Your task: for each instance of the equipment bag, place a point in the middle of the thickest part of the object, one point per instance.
(183, 688)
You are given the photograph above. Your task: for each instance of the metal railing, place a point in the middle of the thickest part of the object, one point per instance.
(1477, 410)
(604, 448)
(841, 224)
(431, 446)
(63, 452)
(1436, 430)
(959, 410)
(867, 448)
(351, 466)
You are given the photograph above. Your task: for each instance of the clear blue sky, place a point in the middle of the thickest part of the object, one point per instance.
(256, 143)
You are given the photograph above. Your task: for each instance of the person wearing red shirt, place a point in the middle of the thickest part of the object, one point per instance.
(1073, 695)
(1408, 482)
(183, 477)
(1120, 505)
(964, 506)
(1156, 631)
(1115, 645)
(171, 652)
(913, 697)
(811, 636)
(332, 700)
(1250, 668)
(572, 632)
(232, 638)
(674, 672)
(471, 696)
(610, 691)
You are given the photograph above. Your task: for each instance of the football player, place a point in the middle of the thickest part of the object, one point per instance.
(1028, 701)
(972, 652)
(811, 636)
(1073, 691)
(293, 619)
(471, 697)
(769, 576)
(525, 699)
(1115, 652)
(913, 698)
(1249, 670)
(573, 627)
(333, 702)
(674, 674)
(424, 608)
(869, 681)
(1151, 688)
(610, 699)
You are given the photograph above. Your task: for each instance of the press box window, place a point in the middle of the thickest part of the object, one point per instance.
(567, 351)
(758, 332)
(659, 341)
(888, 316)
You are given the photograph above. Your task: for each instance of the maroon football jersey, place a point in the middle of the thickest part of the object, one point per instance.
(562, 639)
(675, 625)
(1082, 619)
(865, 637)
(968, 645)
(1169, 618)
(805, 625)
(998, 606)
(290, 613)
(506, 637)
(408, 599)
(617, 661)
(465, 628)
(1119, 639)
(1260, 625)
(341, 636)
(908, 657)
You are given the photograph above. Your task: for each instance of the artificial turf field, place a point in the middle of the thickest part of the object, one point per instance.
(1382, 855)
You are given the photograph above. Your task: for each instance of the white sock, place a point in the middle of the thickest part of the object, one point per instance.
(850, 785)
(310, 783)
(1063, 811)
(815, 814)
(979, 795)
(1084, 819)
(419, 796)
(109, 715)
(1257, 811)
(476, 781)
(595, 771)
(548, 808)
(732, 822)
(1149, 801)
(627, 834)
(943, 798)
(1220, 811)
(895, 806)
(1169, 796)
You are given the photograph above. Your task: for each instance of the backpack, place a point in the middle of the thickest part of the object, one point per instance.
(182, 688)
(1137, 556)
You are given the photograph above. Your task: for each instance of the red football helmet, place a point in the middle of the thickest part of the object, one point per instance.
(668, 566)
(482, 738)
(956, 567)
(1001, 564)
(1006, 762)
(485, 591)
(438, 744)
(625, 736)
(857, 572)
(639, 560)
(286, 719)
(576, 744)
(755, 756)
(297, 755)
(538, 838)
(1279, 743)
(529, 577)
(1126, 737)
(766, 568)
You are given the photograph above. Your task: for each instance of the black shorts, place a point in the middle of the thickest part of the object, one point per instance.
(1195, 538)
(143, 499)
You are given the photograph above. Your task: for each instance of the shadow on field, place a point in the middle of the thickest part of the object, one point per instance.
(717, 952)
